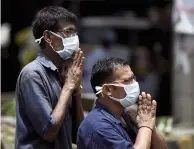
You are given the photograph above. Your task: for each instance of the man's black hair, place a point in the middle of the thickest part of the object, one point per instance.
(102, 71)
(47, 19)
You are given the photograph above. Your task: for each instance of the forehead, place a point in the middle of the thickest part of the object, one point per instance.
(63, 25)
(122, 72)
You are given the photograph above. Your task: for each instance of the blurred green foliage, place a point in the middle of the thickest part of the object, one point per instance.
(8, 104)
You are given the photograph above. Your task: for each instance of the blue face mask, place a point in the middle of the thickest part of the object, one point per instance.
(70, 45)
(132, 93)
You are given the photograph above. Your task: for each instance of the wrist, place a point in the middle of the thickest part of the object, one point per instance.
(146, 127)
(146, 124)
(67, 87)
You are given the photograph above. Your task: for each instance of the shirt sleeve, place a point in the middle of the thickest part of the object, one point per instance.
(36, 102)
(107, 137)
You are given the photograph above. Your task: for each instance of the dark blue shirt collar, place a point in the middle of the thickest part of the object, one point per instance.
(106, 112)
(46, 62)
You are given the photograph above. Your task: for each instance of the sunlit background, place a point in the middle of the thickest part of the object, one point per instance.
(156, 37)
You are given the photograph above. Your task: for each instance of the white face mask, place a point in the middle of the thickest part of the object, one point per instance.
(132, 91)
(70, 45)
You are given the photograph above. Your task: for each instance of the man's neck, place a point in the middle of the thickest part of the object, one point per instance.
(113, 107)
(54, 57)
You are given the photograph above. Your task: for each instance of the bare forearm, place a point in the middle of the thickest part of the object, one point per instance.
(59, 112)
(62, 105)
(143, 140)
(158, 141)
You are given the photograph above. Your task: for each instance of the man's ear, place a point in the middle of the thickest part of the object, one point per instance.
(47, 36)
(106, 90)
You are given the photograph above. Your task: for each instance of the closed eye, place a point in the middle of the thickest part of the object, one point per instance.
(130, 80)
(127, 81)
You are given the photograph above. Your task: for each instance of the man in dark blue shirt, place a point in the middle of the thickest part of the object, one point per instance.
(48, 89)
(108, 126)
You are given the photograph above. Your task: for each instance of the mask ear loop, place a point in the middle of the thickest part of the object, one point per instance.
(98, 89)
(39, 40)
(56, 34)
